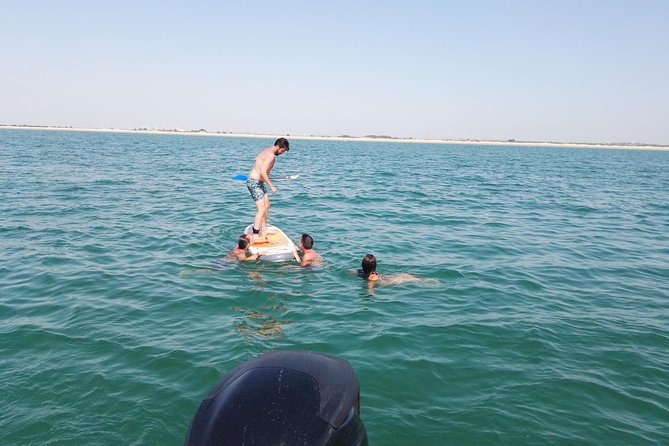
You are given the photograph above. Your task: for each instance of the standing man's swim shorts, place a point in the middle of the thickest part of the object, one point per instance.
(256, 188)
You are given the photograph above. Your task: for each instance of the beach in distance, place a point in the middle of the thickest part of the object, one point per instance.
(628, 146)
(540, 316)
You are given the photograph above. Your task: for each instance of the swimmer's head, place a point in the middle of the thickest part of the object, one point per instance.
(282, 143)
(307, 241)
(243, 241)
(369, 264)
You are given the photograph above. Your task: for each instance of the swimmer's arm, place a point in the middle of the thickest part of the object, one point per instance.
(251, 258)
(400, 278)
(297, 257)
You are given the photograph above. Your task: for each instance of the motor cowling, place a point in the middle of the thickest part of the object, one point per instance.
(282, 398)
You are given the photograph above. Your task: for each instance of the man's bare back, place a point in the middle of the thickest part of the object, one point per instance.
(310, 258)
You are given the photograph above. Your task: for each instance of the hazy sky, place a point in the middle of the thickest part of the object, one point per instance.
(574, 71)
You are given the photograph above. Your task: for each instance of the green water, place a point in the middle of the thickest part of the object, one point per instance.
(542, 316)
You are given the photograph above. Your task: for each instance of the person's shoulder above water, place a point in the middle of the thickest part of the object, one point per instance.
(241, 251)
(373, 277)
(309, 256)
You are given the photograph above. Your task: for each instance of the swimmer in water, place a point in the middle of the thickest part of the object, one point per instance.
(241, 251)
(309, 256)
(369, 273)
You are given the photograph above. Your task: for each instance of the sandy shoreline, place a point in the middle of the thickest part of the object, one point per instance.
(346, 138)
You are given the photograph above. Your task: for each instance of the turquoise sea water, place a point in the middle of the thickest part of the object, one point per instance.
(543, 316)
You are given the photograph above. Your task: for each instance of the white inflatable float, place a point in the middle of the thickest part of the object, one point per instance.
(275, 247)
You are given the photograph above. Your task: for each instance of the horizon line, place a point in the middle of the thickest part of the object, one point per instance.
(366, 138)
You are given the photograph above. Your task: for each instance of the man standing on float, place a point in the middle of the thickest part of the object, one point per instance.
(257, 178)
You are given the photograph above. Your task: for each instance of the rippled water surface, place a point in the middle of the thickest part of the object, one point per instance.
(542, 316)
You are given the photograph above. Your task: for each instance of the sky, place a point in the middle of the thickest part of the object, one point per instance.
(564, 71)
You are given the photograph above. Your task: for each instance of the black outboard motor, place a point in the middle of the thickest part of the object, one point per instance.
(282, 398)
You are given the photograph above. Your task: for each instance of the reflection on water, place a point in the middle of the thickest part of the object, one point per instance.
(256, 277)
(264, 323)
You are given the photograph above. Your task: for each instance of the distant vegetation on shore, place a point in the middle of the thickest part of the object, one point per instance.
(384, 137)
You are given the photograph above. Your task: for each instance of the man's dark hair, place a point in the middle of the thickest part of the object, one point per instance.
(243, 242)
(307, 241)
(369, 264)
(282, 143)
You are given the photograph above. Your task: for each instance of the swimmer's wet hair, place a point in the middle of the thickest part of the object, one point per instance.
(307, 241)
(368, 264)
(243, 241)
